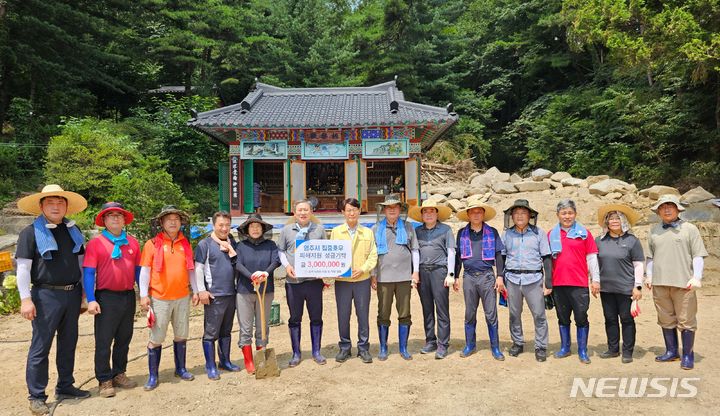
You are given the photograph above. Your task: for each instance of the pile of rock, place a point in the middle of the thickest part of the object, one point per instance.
(543, 185)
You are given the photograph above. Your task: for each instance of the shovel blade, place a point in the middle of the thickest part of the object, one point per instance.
(266, 364)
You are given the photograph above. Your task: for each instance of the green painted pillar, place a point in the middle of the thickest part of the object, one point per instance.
(248, 180)
(224, 186)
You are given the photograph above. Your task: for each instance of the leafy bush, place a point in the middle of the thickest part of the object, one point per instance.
(204, 198)
(144, 190)
(9, 296)
(86, 155)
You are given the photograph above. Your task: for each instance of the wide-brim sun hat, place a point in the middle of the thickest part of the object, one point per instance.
(110, 207)
(416, 211)
(673, 199)
(631, 215)
(490, 212)
(254, 218)
(172, 209)
(391, 199)
(520, 203)
(31, 203)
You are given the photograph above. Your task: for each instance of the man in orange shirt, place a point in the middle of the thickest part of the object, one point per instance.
(167, 270)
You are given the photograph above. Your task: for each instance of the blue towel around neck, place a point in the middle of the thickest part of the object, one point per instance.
(577, 230)
(45, 240)
(118, 241)
(401, 237)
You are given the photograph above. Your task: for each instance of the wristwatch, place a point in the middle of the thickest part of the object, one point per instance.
(638, 287)
(451, 274)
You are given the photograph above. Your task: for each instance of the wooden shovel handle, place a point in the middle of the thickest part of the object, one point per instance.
(261, 299)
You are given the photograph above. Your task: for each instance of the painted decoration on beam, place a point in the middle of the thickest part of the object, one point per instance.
(403, 133)
(315, 151)
(278, 134)
(385, 149)
(271, 149)
(243, 135)
(371, 134)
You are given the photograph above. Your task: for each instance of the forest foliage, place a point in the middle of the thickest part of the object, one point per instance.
(629, 88)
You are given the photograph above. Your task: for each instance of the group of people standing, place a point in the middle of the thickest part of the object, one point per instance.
(562, 267)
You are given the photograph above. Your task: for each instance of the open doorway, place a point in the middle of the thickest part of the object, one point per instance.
(326, 182)
(384, 177)
(269, 176)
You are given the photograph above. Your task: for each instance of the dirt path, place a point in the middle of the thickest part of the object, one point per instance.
(423, 386)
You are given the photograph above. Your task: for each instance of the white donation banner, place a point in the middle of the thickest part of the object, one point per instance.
(323, 258)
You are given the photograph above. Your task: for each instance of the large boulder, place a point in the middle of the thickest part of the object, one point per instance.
(481, 181)
(477, 190)
(504, 188)
(532, 186)
(490, 176)
(553, 184)
(515, 178)
(540, 174)
(441, 189)
(695, 195)
(439, 198)
(559, 176)
(457, 194)
(496, 175)
(572, 182)
(607, 186)
(591, 180)
(455, 204)
(654, 192)
(473, 176)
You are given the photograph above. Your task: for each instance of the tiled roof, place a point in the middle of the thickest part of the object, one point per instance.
(272, 107)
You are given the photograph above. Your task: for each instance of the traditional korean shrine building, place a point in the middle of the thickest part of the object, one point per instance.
(327, 143)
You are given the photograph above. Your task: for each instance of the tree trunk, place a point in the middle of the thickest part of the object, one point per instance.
(717, 103)
(188, 78)
(4, 92)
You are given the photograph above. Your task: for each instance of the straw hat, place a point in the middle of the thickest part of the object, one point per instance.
(31, 203)
(113, 206)
(673, 199)
(416, 211)
(631, 215)
(489, 211)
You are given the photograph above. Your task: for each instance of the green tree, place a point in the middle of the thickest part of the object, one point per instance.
(86, 155)
(58, 53)
(144, 189)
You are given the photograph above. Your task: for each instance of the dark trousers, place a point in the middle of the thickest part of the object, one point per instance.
(308, 293)
(480, 287)
(400, 291)
(219, 315)
(347, 293)
(572, 300)
(435, 299)
(618, 305)
(57, 312)
(113, 328)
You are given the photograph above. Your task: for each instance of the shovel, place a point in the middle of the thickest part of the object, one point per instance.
(265, 360)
